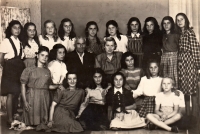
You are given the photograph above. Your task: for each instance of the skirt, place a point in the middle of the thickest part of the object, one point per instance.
(130, 120)
(148, 106)
(93, 116)
(39, 102)
(10, 82)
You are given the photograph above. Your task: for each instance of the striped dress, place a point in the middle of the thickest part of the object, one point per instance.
(37, 81)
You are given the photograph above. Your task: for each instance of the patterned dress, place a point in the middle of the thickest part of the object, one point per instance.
(188, 62)
(37, 81)
(94, 47)
(135, 46)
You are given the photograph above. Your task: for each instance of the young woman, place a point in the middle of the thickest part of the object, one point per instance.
(135, 39)
(35, 84)
(167, 106)
(30, 43)
(188, 61)
(109, 61)
(57, 66)
(11, 53)
(132, 74)
(149, 86)
(64, 107)
(112, 30)
(67, 34)
(152, 41)
(121, 105)
(93, 111)
(49, 37)
(93, 43)
(170, 49)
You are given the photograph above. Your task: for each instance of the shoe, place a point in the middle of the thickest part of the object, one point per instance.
(114, 128)
(175, 129)
(151, 126)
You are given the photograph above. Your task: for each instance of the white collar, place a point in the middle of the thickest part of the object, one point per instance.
(135, 35)
(66, 37)
(120, 90)
(80, 55)
(13, 38)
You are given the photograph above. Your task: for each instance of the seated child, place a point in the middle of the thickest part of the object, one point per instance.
(121, 103)
(167, 107)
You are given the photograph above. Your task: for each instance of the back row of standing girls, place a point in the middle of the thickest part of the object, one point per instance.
(152, 43)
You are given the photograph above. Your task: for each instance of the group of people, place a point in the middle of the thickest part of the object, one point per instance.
(72, 84)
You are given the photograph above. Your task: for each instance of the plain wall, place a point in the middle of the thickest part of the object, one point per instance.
(101, 11)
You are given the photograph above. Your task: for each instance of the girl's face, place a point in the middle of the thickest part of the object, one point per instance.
(67, 27)
(167, 84)
(112, 30)
(72, 79)
(153, 68)
(60, 54)
(43, 57)
(92, 30)
(118, 81)
(31, 31)
(15, 30)
(97, 78)
(134, 26)
(129, 61)
(150, 26)
(180, 21)
(50, 28)
(167, 25)
(109, 47)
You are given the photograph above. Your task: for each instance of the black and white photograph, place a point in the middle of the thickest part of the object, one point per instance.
(100, 67)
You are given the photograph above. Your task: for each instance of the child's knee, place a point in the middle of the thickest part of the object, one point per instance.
(178, 116)
(149, 116)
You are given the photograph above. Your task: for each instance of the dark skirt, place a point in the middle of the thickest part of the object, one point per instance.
(10, 82)
(93, 116)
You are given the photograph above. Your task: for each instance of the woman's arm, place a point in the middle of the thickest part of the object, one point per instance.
(1, 59)
(157, 108)
(53, 104)
(23, 91)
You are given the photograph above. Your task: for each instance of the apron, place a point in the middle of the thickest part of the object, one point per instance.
(12, 70)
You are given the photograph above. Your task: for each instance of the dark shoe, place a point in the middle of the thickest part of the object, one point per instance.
(175, 129)
(151, 126)
(114, 128)
(102, 127)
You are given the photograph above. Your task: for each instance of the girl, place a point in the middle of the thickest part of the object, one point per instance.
(67, 34)
(132, 74)
(93, 43)
(112, 30)
(135, 39)
(149, 86)
(167, 106)
(57, 67)
(30, 43)
(170, 49)
(188, 61)
(109, 61)
(64, 107)
(121, 103)
(11, 54)
(49, 37)
(93, 111)
(35, 84)
(152, 41)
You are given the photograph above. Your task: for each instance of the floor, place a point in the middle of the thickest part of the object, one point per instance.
(4, 130)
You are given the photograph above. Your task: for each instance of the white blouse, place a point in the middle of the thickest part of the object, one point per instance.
(30, 51)
(7, 48)
(68, 43)
(48, 43)
(58, 71)
(121, 44)
(148, 87)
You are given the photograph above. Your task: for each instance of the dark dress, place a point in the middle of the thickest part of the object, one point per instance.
(152, 44)
(68, 103)
(12, 70)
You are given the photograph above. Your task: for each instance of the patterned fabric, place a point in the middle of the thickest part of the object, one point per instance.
(168, 65)
(188, 62)
(29, 52)
(94, 47)
(148, 106)
(132, 78)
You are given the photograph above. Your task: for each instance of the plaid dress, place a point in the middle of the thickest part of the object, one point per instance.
(188, 62)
